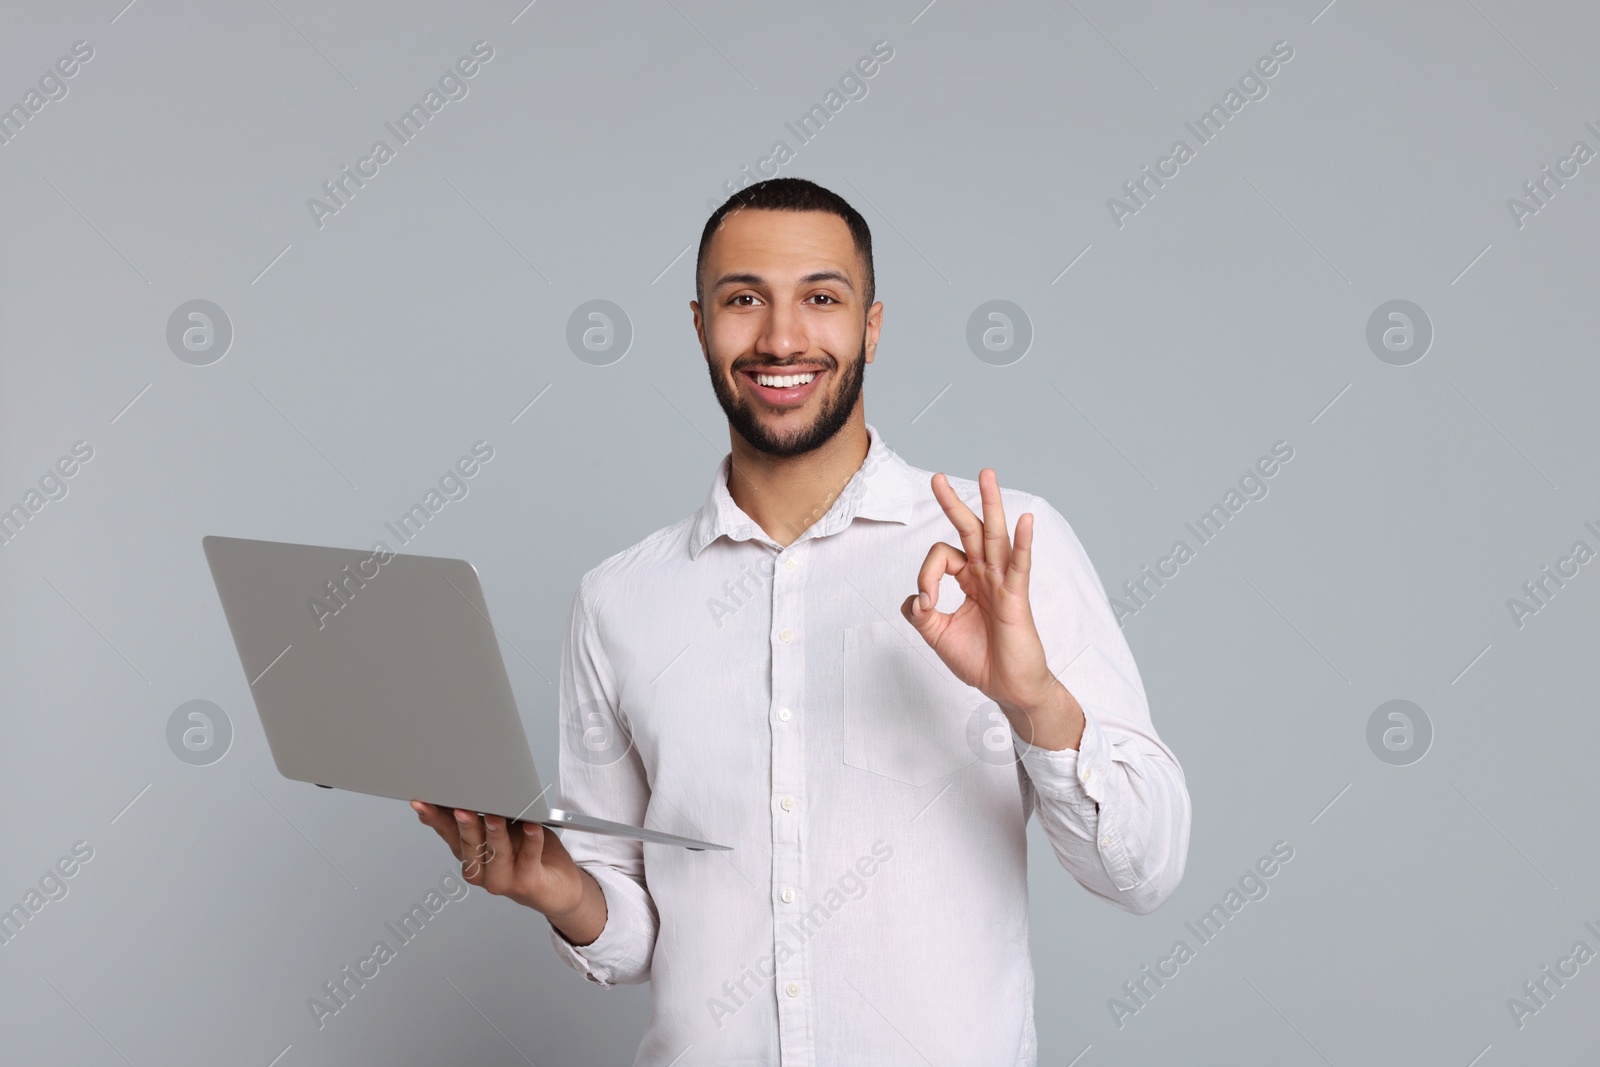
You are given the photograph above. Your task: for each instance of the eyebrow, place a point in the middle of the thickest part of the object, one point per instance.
(810, 279)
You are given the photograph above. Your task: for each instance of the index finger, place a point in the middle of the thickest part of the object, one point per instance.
(961, 517)
(996, 536)
(442, 821)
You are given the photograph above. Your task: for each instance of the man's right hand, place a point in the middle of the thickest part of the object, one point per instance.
(523, 862)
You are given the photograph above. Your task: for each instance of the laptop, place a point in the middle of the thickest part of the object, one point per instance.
(381, 674)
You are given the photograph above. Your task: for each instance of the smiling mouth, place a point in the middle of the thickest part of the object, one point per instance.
(783, 387)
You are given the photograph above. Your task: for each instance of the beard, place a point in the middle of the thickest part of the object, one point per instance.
(835, 412)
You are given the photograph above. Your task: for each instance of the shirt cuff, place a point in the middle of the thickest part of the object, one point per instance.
(1079, 780)
(1077, 776)
(615, 953)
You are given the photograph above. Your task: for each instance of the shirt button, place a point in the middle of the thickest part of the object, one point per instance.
(783, 714)
(787, 803)
(1088, 772)
(1106, 840)
(790, 565)
(793, 989)
(785, 636)
(788, 896)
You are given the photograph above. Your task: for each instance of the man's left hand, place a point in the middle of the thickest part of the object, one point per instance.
(990, 641)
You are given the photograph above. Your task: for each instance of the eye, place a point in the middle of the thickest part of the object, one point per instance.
(741, 296)
(824, 296)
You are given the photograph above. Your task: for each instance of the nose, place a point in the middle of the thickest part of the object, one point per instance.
(783, 334)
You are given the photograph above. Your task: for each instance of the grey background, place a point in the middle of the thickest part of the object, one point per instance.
(1228, 314)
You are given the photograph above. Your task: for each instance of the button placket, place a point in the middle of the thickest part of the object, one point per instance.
(788, 796)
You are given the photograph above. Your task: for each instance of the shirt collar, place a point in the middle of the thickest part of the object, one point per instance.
(879, 489)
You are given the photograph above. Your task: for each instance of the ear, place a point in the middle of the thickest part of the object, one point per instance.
(874, 324)
(700, 328)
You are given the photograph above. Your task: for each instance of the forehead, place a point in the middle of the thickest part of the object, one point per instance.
(778, 243)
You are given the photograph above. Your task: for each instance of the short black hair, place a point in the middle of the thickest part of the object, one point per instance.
(790, 194)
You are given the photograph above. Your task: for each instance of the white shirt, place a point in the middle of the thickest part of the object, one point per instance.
(875, 907)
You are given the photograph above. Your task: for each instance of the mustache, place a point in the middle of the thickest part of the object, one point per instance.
(739, 365)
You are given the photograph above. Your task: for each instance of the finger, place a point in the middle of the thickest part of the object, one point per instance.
(1016, 581)
(996, 535)
(500, 862)
(541, 854)
(473, 849)
(442, 821)
(920, 609)
(942, 559)
(960, 516)
(530, 854)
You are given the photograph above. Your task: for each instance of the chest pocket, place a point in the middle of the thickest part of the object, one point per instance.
(905, 715)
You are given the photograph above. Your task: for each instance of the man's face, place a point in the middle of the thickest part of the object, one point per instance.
(785, 329)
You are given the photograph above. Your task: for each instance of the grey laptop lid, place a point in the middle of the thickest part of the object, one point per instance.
(365, 669)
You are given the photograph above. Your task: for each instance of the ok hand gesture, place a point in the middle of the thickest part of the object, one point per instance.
(990, 641)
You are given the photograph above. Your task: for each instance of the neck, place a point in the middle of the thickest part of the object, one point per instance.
(786, 494)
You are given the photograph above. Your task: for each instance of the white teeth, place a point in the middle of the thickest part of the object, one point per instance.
(784, 381)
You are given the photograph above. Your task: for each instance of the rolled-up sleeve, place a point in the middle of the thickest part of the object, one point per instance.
(601, 775)
(621, 954)
(1116, 809)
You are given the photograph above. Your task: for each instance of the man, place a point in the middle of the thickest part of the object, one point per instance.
(756, 675)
